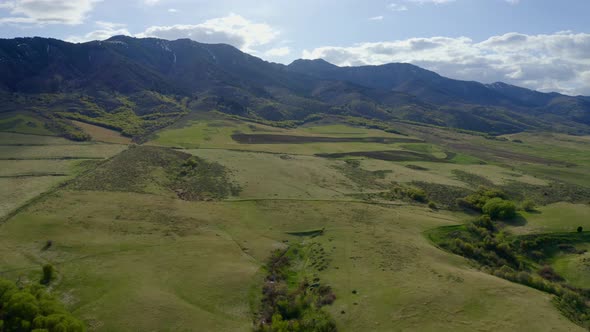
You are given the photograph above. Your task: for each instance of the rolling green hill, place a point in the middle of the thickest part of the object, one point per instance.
(137, 86)
(177, 186)
(180, 233)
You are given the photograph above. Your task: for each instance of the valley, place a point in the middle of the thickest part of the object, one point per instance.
(138, 244)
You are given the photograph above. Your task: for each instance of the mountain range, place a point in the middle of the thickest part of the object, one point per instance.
(139, 84)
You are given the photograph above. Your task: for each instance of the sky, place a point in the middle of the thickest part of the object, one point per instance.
(539, 44)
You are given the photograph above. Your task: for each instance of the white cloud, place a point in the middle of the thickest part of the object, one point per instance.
(376, 18)
(551, 62)
(397, 7)
(42, 12)
(6, 5)
(105, 31)
(232, 29)
(436, 2)
(172, 10)
(513, 2)
(400, 7)
(151, 2)
(278, 52)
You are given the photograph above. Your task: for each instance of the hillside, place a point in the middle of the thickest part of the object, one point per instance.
(139, 85)
(218, 223)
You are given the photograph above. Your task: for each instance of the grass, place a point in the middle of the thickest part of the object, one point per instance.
(69, 151)
(148, 169)
(552, 145)
(18, 190)
(132, 256)
(521, 259)
(15, 168)
(16, 139)
(544, 155)
(32, 164)
(155, 250)
(101, 134)
(280, 176)
(557, 217)
(24, 123)
(215, 132)
(575, 268)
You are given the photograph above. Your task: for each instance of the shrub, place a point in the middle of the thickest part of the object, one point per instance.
(477, 200)
(31, 308)
(485, 222)
(498, 208)
(416, 194)
(48, 274)
(528, 205)
(432, 205)
(580, 229)
(47, 245)
(548, 273)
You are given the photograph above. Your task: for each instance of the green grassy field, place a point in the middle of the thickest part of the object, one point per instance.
(23, 123)
(575, 268)
(33, 164)
(100, 134)
(546, 155)
(180, 264)
(558, 217)
(215, 132)
(133, 254)
(12, 139)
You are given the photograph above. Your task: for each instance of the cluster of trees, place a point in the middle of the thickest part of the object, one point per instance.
(415, 194)
(491, 202)
(483, 242)
(498, 208)
(570, 301)
(31, 308)
(287, 308)
(516, 259)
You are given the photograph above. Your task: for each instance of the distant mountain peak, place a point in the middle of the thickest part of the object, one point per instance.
(120, 38)
(312, 64)
(223, 77)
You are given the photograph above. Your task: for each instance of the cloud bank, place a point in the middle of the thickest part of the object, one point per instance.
(232, 29)
(546, 62)
(41, 12)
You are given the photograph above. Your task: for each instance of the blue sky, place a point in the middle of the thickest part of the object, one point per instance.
(539, 44)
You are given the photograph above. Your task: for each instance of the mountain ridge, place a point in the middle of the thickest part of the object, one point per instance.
(184, 75)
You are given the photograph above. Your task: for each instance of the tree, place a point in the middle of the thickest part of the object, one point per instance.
(31, 308)
(477, 200)
(498, 208)
(580, 229)
(48, 274)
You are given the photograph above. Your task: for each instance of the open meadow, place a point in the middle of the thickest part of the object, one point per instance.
(176, 233)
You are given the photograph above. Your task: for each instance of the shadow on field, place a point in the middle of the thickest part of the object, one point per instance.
(290, 139)
(517, 221)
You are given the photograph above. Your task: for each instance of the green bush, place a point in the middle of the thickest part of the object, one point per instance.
(33, 309)
(528, 205)
(477, 200)
(514, 259)
(416, 194)
(498, 208)
(48, 274)
(289, 304)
